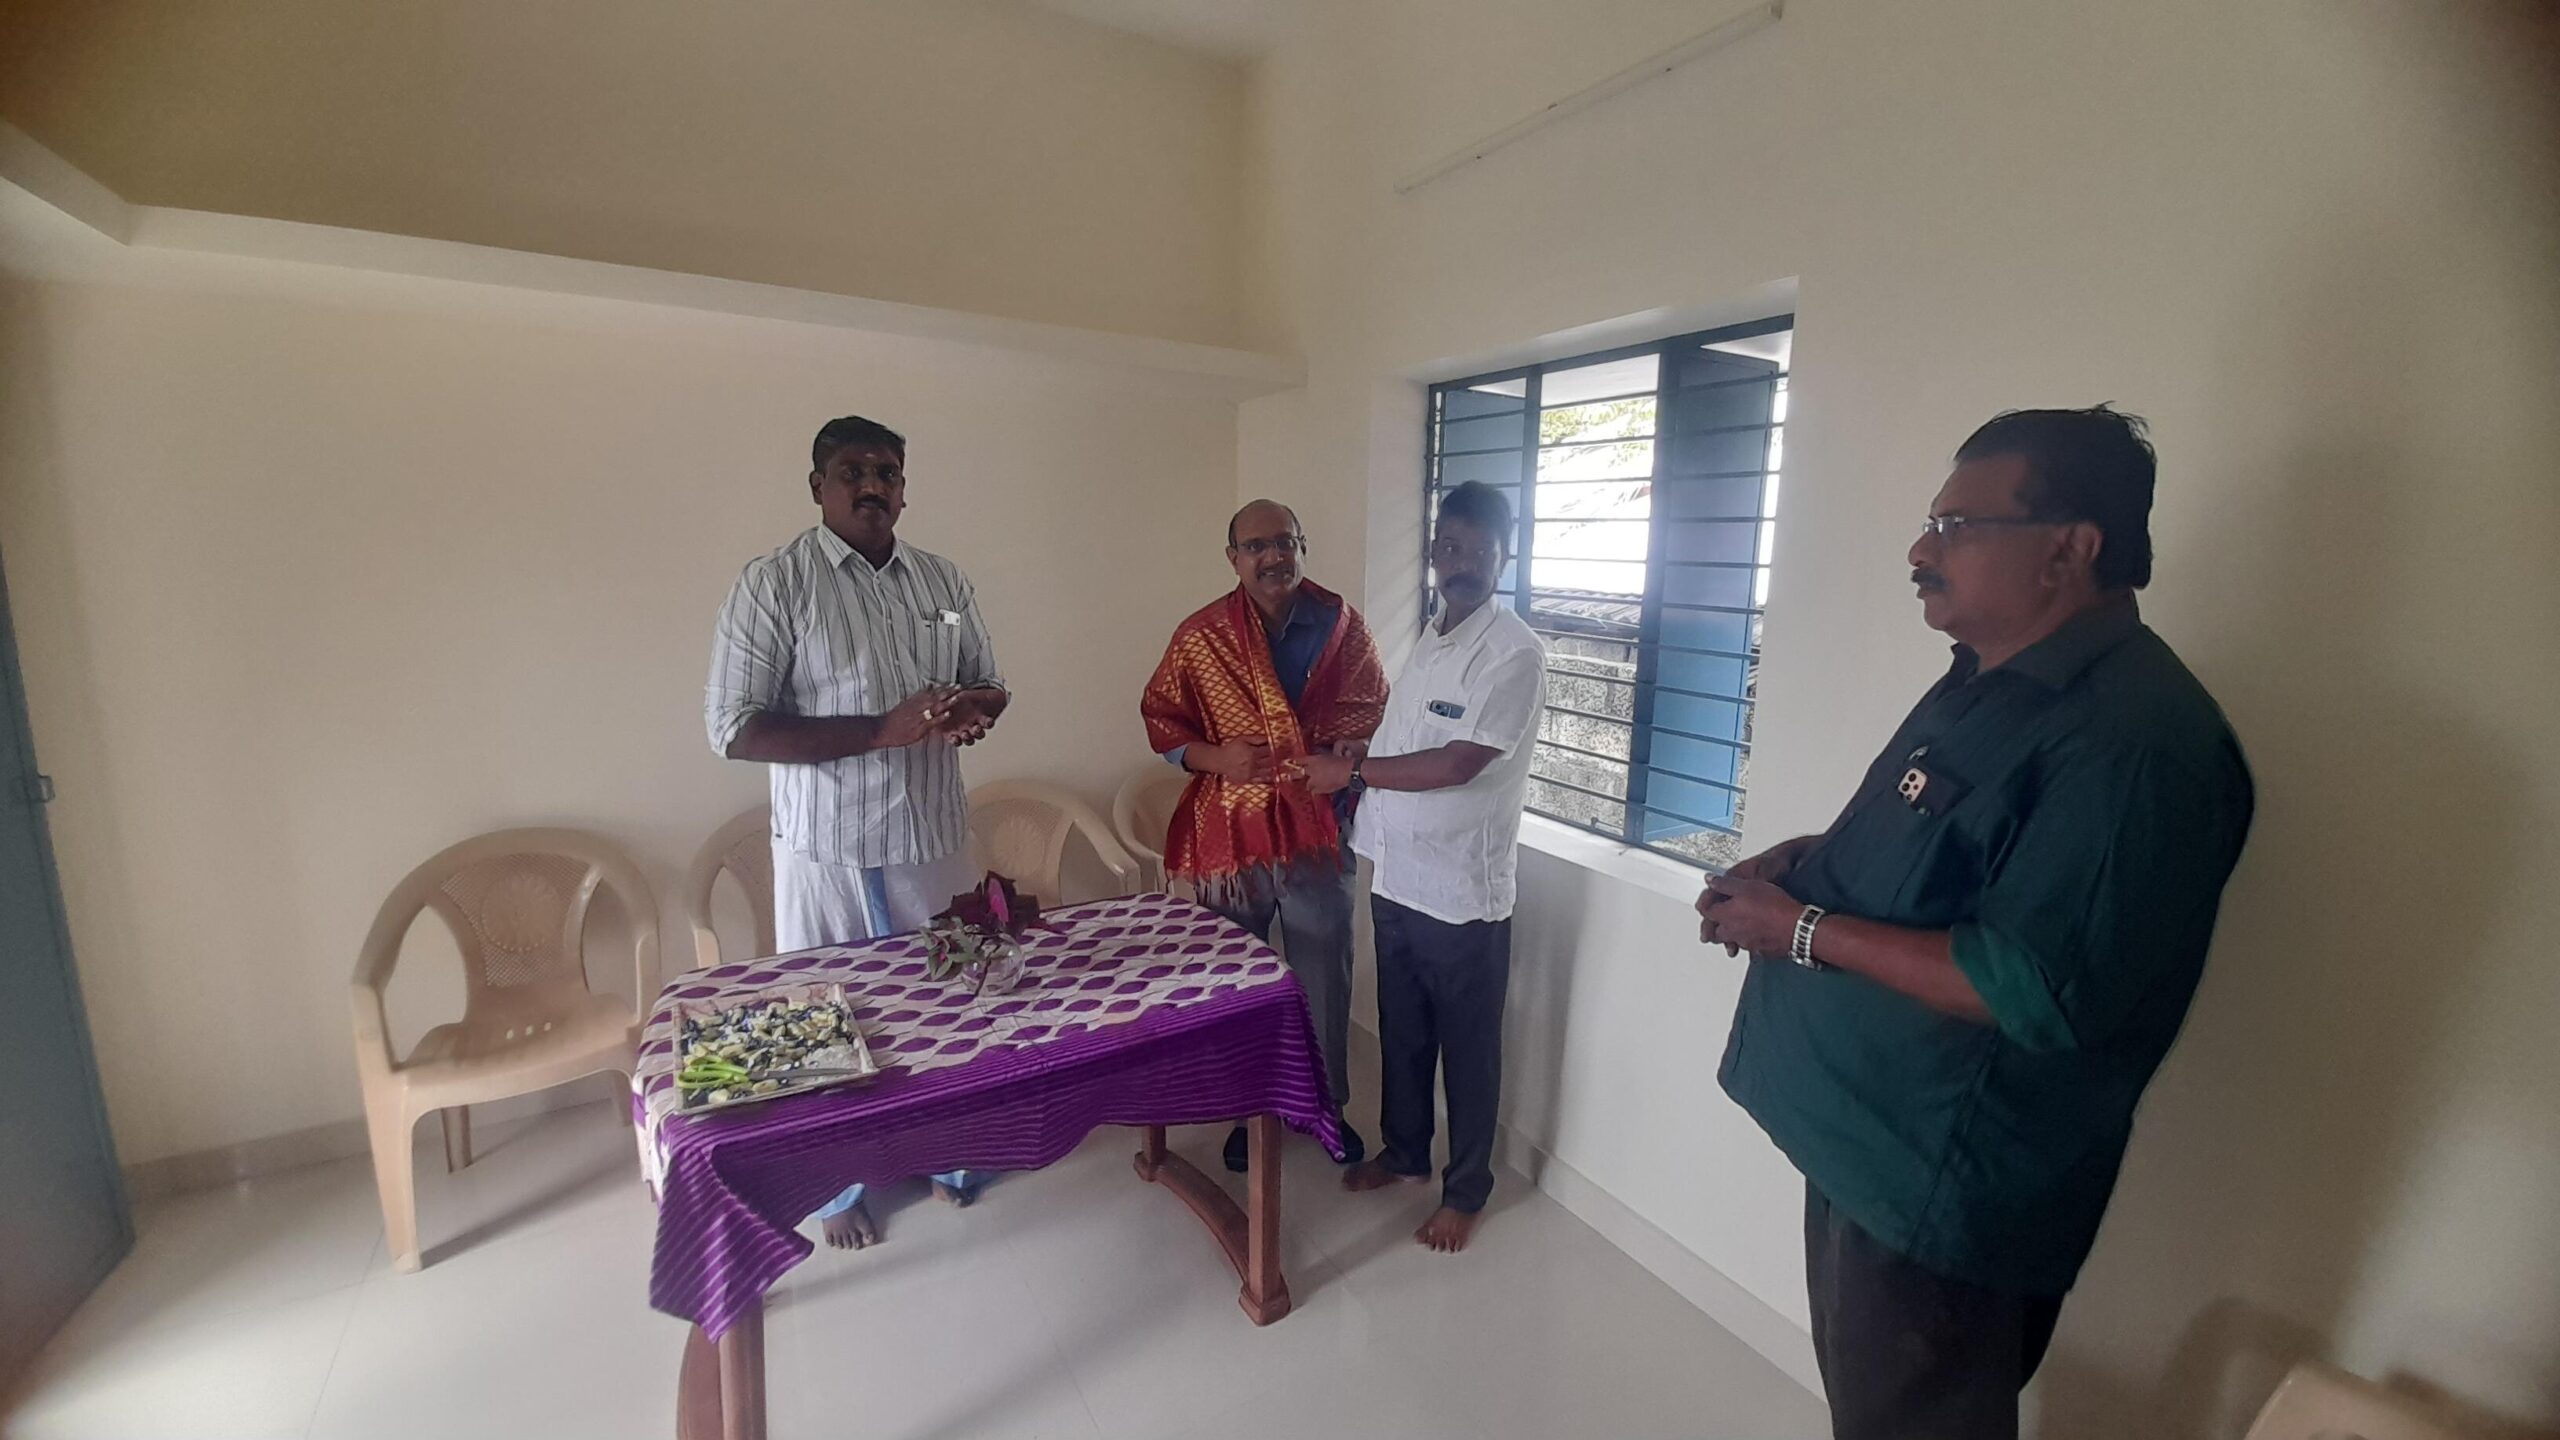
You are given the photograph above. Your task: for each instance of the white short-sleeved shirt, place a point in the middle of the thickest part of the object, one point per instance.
(1453, 854)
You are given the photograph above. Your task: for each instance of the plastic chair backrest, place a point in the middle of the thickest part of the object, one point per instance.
(1143, 811)
(1019, 829)
(516, 902)
(2321, 1402)
(744, 849)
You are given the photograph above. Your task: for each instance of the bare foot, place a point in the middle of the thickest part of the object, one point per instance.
(1447, 1230)
(958, 1197)
(1373, 1174)
(852, 1229)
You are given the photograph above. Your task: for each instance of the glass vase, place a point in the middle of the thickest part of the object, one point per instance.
(1001, 971)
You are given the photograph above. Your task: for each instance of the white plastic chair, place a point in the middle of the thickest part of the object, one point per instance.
(743, 848)
(516, 902)
(1019, 829)
(1143, 811)
(2321, 1402)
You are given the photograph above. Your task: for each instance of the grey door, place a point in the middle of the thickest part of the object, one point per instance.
(63, 1222)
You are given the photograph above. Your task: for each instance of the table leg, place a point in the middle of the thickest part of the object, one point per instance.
(1266, 1292)
(1251, 1240)
(720, 1391)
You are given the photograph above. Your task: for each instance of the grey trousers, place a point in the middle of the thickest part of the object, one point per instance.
(1313, 910)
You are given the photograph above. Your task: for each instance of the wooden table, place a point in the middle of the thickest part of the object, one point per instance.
(1144, 1012)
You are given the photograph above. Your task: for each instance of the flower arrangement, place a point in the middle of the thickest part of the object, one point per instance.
(982, 936)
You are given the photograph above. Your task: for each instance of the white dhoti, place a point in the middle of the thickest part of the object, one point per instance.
(815, 903)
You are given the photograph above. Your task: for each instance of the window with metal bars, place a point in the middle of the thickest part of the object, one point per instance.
(1646, 484)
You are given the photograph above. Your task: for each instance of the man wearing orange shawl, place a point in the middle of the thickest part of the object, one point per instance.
(1277, 669)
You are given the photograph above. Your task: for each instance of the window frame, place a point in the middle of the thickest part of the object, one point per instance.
(1638, 808)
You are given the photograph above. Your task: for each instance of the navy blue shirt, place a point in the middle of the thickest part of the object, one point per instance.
(1299, 643)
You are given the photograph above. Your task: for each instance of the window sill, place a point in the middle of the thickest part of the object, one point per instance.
(1641, 868)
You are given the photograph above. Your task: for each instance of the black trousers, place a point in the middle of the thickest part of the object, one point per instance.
(1440, 994)
(1909, 1354)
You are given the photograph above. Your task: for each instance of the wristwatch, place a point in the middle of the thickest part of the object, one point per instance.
(1356, 784)
(1801, 951)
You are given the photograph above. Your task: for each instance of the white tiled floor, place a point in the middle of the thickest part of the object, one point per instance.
(1071, 1302)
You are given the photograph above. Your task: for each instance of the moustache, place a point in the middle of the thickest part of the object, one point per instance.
(873, 502)
(1462, 582)
(1928, 580)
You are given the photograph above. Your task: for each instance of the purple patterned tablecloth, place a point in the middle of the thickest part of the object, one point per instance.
(1140, 1011)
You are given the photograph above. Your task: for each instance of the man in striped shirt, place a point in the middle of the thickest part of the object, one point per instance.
(853, 666)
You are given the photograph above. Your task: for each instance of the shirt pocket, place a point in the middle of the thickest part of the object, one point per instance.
(1927, 863)
(938, 648)
(1435, 726)
(1864, 867)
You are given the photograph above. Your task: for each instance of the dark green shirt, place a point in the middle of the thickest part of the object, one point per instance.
(2078, 811)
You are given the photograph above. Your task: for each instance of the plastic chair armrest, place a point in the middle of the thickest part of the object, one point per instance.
(640, 905)
(699, 879)
(1115, 857)
(373, 1031)
(374, 964)
(644, 972)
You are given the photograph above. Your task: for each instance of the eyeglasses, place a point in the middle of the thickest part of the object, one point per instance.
(1947, 527)
(1277, 544)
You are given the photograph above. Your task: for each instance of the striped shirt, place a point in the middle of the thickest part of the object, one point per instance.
(815, 629)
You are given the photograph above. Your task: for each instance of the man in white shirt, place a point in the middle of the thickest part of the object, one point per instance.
(852, 665)
(1442, 787)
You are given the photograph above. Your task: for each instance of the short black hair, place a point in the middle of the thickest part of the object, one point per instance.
(2094, 465)
(1482, 506)
(853, 430)
(1296, 526)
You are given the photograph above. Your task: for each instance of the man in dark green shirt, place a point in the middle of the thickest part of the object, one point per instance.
(1958, 992)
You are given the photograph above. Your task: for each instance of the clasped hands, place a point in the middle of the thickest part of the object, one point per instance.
(1248, 761)
(1744, 910)
(953, 714)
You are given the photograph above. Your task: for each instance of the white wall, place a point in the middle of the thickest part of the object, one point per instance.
(2315, 244)
(307, 591)
(978, 155)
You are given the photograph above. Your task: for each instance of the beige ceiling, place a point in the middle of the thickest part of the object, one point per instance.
(972, 155)
(1232, 29)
